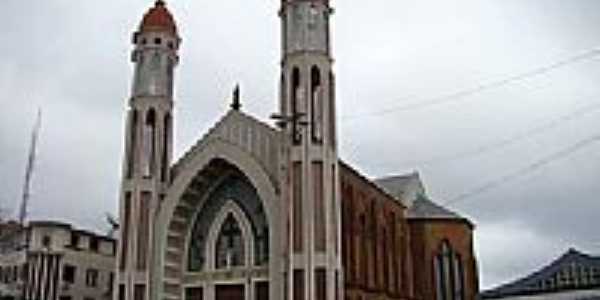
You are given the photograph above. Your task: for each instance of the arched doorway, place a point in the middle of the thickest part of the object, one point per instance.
(220, 236)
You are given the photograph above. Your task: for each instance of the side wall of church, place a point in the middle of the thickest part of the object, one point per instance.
(375, 241)
(427, 238)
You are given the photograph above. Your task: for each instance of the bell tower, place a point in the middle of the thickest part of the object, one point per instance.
(148, 148)
(312, 190)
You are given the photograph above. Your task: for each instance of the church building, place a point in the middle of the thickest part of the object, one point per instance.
(256, 212)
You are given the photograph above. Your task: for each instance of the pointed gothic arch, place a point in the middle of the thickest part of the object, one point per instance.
(197, 174)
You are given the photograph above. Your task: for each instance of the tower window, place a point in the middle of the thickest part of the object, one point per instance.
(149, 149)
(296, 105)
(316, 105)
(157, 41)
(132, 144)
(165, 150)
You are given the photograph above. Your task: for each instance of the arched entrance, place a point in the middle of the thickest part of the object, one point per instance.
(218, 243)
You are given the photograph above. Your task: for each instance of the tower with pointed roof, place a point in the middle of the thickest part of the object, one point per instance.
(148, 148)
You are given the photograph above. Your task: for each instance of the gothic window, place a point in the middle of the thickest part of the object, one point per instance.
(230, 245)
(316, 105)
(132, 144)
(449, 274)
(165, 149)
(296, 105)
(236, 188)
(331, 100)
(149, 149)
(170, 79)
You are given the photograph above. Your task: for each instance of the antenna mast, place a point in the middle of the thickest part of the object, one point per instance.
(30, 168)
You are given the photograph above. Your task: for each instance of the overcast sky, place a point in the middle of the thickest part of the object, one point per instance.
(526, 114)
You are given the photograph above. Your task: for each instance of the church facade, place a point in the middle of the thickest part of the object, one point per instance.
(253, 211)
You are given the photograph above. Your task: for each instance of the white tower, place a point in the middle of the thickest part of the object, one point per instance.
(148, 148)
(313, 194)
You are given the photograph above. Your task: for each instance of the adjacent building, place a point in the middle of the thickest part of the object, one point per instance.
(54, 261)
(572, 276)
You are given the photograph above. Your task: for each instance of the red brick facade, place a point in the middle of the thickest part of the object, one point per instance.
(385, 254)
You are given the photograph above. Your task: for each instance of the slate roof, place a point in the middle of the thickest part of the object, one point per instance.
(424, 208)
(525, 285)
(410, 189)
(397, 185)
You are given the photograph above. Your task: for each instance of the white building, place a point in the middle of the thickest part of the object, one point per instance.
(53, 261)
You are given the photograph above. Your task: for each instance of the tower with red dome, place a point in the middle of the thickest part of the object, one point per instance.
(148, 148)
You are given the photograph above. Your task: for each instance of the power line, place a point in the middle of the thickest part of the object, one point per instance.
(525, 170)
(456, 96)
(506, 142)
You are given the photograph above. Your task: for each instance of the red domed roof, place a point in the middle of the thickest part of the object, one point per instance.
(158, 18)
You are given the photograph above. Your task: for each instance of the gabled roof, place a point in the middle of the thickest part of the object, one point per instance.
(411, 190)
(423, 208)
(529, 284)
(406, 187)
(258, 138)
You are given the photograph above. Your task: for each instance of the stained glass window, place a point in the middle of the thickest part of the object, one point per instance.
(236, 188)
(230, 245)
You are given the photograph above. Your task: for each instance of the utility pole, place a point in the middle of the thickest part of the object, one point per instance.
(30, 168)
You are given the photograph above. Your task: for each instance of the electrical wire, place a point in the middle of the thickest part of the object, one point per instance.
(456, 96)
(509, 141)
(537, 165)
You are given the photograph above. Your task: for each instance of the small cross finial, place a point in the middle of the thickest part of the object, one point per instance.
(236, 104)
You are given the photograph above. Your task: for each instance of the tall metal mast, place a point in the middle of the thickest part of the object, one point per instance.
(30, 168)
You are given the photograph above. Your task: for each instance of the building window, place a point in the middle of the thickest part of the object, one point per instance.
(195, 293)
(230, 245)
(297, 105)
(321, 284)
(165, 150)
(131, 157)
(65, 298)
(316, 105)
(74, 243)
(149, 144)
(69, 273)
(91, 278)
(298, 284)
(46, 241)
(111, 281)
(121, 292)
(94, 244)
(139, 292)
(449, 274)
